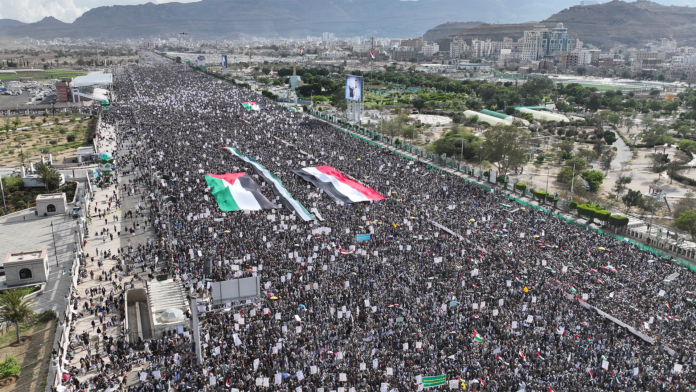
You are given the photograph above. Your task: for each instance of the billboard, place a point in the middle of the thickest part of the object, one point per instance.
(224, 61)
(201, 61)
(354, 88)
(236, 290)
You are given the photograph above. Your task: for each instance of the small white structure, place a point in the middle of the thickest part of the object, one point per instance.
(84, 154)
(51, 204)
(26, 268)
(168, 305)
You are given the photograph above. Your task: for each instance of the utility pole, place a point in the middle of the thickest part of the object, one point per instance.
(55, 249)
(2, 188)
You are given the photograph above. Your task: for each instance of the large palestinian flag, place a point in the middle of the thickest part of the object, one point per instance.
(252, 106)
(237, 191)
(276, 185)
(337, 185)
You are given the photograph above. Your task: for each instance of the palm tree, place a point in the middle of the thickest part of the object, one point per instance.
(49, 176)
(14, 308)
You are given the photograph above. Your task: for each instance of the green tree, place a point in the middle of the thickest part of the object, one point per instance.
(505, 145)
(418, 103)
(70, 138)
(609, 137)
(49, 176)
(14, 308)
(632, 199)
(606, 158)
(594, 179)
(687, 222)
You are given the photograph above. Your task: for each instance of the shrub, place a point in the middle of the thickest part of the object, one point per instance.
(521, 186)
(500, 179)
(9, 367)
(618, 220)
(53, 142)
(540, 195)
(70, 138)
(602, 215)
(573, 205)
(46, 316)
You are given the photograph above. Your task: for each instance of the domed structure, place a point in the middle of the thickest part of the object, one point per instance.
(105, 156)
(172, 315)
(559, 26)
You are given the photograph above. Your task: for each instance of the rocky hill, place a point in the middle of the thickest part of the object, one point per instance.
(449, 28)
(280, 18)
(10, 22)
(609, 23)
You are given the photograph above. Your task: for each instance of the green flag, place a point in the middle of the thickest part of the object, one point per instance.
(434, 381)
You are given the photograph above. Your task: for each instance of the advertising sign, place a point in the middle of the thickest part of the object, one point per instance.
(354, 88)
(224, 61)
(201, 61)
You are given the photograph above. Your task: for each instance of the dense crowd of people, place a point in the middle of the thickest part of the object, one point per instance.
(510, 305)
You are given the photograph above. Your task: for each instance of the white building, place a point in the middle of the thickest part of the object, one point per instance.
(430, 49)
(26, 268)
(481, 48)
(458, 49)
(362, 48)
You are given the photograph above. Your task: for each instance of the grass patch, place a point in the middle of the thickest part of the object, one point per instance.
(49, 74)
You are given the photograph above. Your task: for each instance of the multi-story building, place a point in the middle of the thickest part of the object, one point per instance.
(430, 49)
(481, 48)
(542, 42)
(458, 48)
(415, 43)
(362, 48)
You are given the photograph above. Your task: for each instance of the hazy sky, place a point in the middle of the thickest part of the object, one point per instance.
(69, 10)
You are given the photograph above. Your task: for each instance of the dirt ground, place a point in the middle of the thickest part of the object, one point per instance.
(33, 354)
(35, 139)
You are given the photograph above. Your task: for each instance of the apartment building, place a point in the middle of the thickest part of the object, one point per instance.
(458, 48)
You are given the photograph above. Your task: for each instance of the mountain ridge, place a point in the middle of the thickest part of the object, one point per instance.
(615, 22)
(268, 18)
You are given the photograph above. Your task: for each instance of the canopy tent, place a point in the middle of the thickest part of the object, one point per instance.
(92, 79)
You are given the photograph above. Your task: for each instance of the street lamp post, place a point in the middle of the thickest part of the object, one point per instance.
(546, 193)
(2, 189)
(572, 182)
(480, 158)
(55, 249)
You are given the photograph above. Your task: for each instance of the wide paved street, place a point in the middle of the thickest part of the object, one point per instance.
(30, 232)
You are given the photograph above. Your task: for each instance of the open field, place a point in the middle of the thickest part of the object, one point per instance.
(46, 139)
(48, 74)
(33, 354)
(603, 87)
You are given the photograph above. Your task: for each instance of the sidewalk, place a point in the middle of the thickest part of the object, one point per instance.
(103, 277)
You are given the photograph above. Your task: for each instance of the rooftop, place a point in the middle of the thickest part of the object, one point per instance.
(50, 196)
(165, 296)
(25, 256)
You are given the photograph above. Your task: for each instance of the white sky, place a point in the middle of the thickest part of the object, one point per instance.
(68, 10)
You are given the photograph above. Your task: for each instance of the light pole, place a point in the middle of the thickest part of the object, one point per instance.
(2, 188)
(572, 182)
(55, 249)
(480, 157)
(546, 193)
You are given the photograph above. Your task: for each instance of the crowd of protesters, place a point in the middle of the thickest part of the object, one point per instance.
(508, 302)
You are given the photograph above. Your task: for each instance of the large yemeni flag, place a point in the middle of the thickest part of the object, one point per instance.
(237, 191)
(337, 185)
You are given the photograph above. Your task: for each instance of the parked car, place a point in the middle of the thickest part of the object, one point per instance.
(76, 212)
